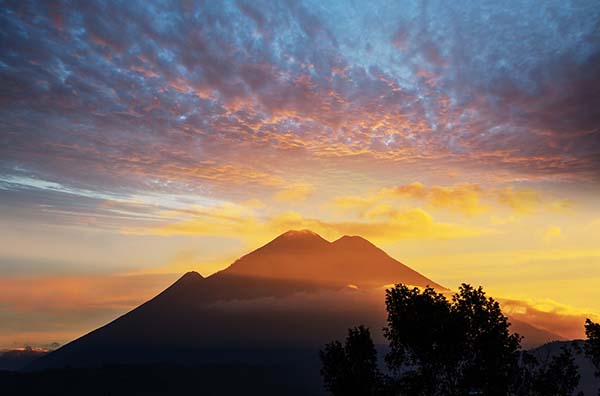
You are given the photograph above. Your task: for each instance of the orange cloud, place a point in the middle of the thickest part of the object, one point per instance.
(465, 198)
(561, 205)
(62, 294)
(549, 315)
(43, 310)
(412, 190)
(551, 233)
(386, 225)
(294, 192)
(522, 201)
(462, 198)
(352, 202)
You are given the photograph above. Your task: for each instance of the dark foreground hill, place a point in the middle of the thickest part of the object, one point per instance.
(213, 379)
(164, 379)
(16, 359)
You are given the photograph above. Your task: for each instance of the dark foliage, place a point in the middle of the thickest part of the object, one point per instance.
(558, 377)
(351, 369)
(592, 344)
(446, 348)
(452, 347)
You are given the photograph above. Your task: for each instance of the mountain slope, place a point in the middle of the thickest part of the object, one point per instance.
(532, 336)
(289, 294)
(304, 255)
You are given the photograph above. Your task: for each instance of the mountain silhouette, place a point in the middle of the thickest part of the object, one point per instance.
(274, 306)
(292, 292)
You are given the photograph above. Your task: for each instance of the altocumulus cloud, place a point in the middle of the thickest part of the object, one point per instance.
(129, 96)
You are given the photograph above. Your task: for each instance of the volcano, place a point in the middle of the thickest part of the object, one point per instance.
(297, 291)
(306, 256)
(274, 307)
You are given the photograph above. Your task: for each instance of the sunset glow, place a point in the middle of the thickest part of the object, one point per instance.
(138, 142)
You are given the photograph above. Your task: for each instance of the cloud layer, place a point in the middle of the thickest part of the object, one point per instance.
(207, 96)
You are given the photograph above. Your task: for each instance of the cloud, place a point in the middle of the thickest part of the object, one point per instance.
(462, 198)
(551, 233)
(561, 205)
(353, 202)
(62, 308)
(109, 97)
(412, 190)
(522, 201)
(223, 220)
(387, 225)
(295, 192)
(76, 293)
(549, 315)
(465, 198)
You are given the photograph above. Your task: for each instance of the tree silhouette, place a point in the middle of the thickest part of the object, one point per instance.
(592, 344)
(450, 348)
(446, 348)
(351, 369)
(558, 377)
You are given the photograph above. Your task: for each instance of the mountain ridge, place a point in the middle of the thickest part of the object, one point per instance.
(309, 257)
(276, 303)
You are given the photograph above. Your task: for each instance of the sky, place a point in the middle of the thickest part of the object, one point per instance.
(140, 140)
